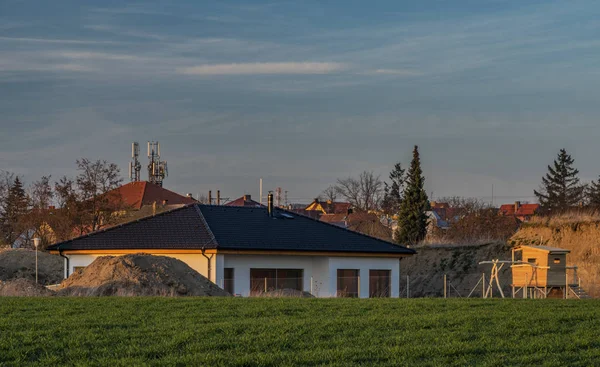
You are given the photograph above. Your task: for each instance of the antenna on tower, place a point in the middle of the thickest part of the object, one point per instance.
(134, 166)
(278, 197)
(157, 169)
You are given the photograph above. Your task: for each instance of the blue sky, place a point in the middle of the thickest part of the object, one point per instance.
(303, 93)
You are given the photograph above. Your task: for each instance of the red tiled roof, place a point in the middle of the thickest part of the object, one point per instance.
(245, 200)
(333, 207)
(140, 193)
(523, 210)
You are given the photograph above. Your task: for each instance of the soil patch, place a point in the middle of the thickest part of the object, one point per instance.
(23, 288)
(139, 275)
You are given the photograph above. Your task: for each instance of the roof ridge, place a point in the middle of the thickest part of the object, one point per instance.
(57, 245)
(212, 235)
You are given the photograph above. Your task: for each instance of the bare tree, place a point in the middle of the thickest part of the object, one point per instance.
(364, 192)
(330, 193)
(94, 182)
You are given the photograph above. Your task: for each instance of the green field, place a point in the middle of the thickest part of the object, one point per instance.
(274, 332)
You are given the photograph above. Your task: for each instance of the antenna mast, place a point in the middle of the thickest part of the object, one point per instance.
(157, 169)
(134, 166)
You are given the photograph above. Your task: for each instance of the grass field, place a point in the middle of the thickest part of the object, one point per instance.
(274, 332)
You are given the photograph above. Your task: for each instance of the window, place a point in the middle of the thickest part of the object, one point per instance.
(379, 283)
(532, 260)
(347, 283)
(228, 280)
(557, 260)
(265, 280)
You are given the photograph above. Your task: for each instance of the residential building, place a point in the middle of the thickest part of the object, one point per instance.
(250, 250)
(523, 212)
(246, 201)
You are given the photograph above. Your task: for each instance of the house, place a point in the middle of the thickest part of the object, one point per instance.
(523, 212)
(249, 250)
(246, 201)
(138, 194)
(329, 207)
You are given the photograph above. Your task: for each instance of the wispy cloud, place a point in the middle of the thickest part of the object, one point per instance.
(399, 72)
(264, 68)
(50, 40)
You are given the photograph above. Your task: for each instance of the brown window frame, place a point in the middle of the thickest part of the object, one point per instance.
(380, 283)
(276, 278)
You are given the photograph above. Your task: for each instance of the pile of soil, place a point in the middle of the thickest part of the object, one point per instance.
(20, 263)
(23, 288)
(286, 292)
(139, 275)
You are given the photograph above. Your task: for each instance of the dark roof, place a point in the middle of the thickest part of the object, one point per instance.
(231, 228)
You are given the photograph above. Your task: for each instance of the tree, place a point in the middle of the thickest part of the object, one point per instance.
(392, 197)
(560, 188)
(6, 181)
(330, 193)
(14, 210)
(412, 221)
(593, 194)
(363, 193)
(94, 182)
(40, 215)
(41, 193)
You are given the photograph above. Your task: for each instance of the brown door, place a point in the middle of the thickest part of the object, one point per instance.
(379, 283)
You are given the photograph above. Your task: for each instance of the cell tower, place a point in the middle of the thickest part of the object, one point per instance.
(157, 169)
(134, 166)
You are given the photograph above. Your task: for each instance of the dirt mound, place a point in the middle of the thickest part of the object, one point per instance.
(20, 263)
(286, 292)
(23, 288)
(139, 275)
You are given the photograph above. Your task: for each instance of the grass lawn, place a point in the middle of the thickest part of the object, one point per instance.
(275, 332)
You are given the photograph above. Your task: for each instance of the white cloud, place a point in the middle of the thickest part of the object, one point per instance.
(98, 56)
(402, 72)
(264, 68)
(48, 40)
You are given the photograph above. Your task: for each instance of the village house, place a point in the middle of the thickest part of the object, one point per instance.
(250, 250)
(329, 207)
(523, 212)
(246, 201)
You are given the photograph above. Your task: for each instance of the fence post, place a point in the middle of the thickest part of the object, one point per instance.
(483, 285)
(525, 286)
(265, 284)
(311, 285)
(358, 284)
(444, 285)
(407, 287)
(566, 285)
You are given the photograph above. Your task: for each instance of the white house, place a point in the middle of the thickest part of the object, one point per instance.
(249, 250)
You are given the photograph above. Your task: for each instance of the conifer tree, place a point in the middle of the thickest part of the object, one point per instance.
(412, 221)
(392, 197)
(560, 188)
(593, 194)
(14, 209)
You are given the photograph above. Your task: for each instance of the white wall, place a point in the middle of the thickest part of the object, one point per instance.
(364, 264)
(322, 270)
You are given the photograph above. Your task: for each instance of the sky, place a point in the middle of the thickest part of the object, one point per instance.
(303, 93)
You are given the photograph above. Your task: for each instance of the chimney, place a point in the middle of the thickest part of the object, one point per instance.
(247, 197)
(350, 211)
(517, 206)
(165, 202)
(209, 197)
(189, 195)
(218, 197)
(270, 204)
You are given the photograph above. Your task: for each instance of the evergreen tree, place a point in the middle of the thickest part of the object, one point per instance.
(412, 221)
(392, 197)
(560, 188)
(14, 210)
(593, 194)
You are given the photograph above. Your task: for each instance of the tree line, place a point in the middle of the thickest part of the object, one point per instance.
(58, 210)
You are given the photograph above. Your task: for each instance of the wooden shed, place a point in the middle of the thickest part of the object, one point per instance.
(539, 266)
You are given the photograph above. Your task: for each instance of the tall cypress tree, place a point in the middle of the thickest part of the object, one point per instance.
(560, 188)
(412, 221)
(593, 194)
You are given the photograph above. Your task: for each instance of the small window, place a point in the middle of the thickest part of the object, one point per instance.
(557, 260)
(532, 260)
(347, 282)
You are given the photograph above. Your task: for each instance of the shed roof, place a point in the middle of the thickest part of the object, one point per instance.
(552, 250)
(231, 228)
